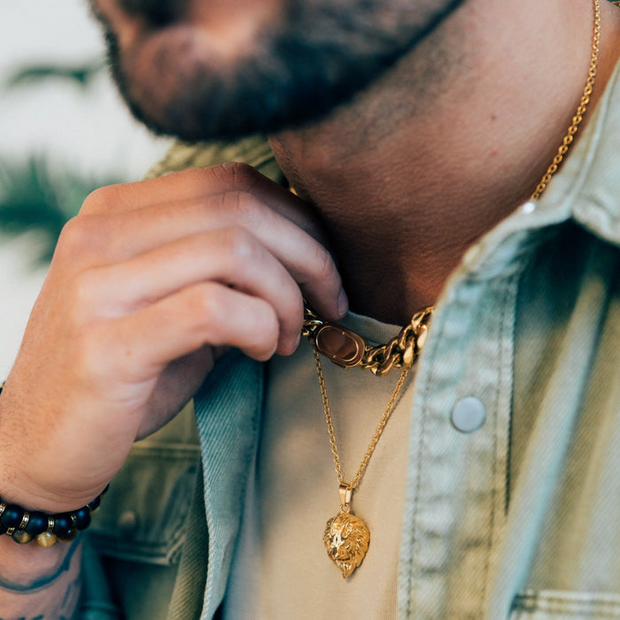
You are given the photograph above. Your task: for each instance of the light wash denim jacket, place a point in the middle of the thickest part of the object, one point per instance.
(518, 519)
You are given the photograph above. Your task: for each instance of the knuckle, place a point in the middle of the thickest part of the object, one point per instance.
(90, 348)
(83, 238)
(99, 199)
(243, 206)
(80, 300)
(240, 246)
(74, 237)
(207, 304)
(83, 292)
(243, 177)
(324, 267)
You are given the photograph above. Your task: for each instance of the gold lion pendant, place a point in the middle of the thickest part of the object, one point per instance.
(346, 539)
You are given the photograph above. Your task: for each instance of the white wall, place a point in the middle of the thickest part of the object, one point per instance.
(87, 131)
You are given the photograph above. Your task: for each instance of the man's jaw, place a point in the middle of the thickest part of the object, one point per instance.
(229, 25)
(194, 74)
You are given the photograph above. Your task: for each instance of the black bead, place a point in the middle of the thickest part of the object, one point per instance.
(95, 503)
(82, 517)
(62, 524)
(12, 516)
(37, 524)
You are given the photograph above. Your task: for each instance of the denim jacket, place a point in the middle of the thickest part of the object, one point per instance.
(517, 518)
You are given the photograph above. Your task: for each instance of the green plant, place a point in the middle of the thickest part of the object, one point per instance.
(33, 195)
(32, 198)
(81, 75)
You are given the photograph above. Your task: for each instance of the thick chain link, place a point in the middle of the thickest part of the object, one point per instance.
(403, 350)
(400, 352)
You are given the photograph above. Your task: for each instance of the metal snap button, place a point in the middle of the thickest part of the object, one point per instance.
(468, 415)
(127, 523)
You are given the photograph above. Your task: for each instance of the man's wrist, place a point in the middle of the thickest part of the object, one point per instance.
(28, 568)
(24, 526)
(36, 582)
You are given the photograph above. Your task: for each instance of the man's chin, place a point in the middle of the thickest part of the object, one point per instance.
(174, 90)
(178, 83)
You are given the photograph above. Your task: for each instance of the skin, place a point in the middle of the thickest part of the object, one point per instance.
(128, 325)
(413, 152)
(205, 70)
(134, 323)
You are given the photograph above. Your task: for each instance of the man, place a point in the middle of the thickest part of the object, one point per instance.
(414, 134)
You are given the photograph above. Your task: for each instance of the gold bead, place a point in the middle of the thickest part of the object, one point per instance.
(47, 539)
(69, 536)
(22, 537)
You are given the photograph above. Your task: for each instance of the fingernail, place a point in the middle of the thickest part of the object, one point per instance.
(343, 303)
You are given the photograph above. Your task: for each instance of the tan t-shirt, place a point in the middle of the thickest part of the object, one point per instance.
(281, 568)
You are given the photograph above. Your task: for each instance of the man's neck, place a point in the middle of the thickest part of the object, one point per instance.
(408, 175)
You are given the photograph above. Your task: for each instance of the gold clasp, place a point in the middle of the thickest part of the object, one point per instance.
(342, 346)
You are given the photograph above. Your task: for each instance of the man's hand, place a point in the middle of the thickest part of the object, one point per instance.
(149, 284)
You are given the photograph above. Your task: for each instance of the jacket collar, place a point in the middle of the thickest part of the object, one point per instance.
(588, 187)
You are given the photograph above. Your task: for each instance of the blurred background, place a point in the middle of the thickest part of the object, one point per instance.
(63, 132)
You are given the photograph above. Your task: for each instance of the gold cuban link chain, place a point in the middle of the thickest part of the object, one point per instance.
(348, 349)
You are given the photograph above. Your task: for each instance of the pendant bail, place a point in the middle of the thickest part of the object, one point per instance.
(346, 493)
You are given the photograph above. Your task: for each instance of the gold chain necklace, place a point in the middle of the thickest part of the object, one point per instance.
(581, 109)
(346, 536)
(347, 349)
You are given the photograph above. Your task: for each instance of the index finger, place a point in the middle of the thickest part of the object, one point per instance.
(199, 183)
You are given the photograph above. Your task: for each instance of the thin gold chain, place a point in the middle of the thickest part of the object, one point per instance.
(581, 110)
(312, 322)
(377, 434)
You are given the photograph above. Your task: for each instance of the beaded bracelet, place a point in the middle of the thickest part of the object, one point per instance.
(24, 526)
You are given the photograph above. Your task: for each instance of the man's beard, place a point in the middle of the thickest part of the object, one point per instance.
(317, 58)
